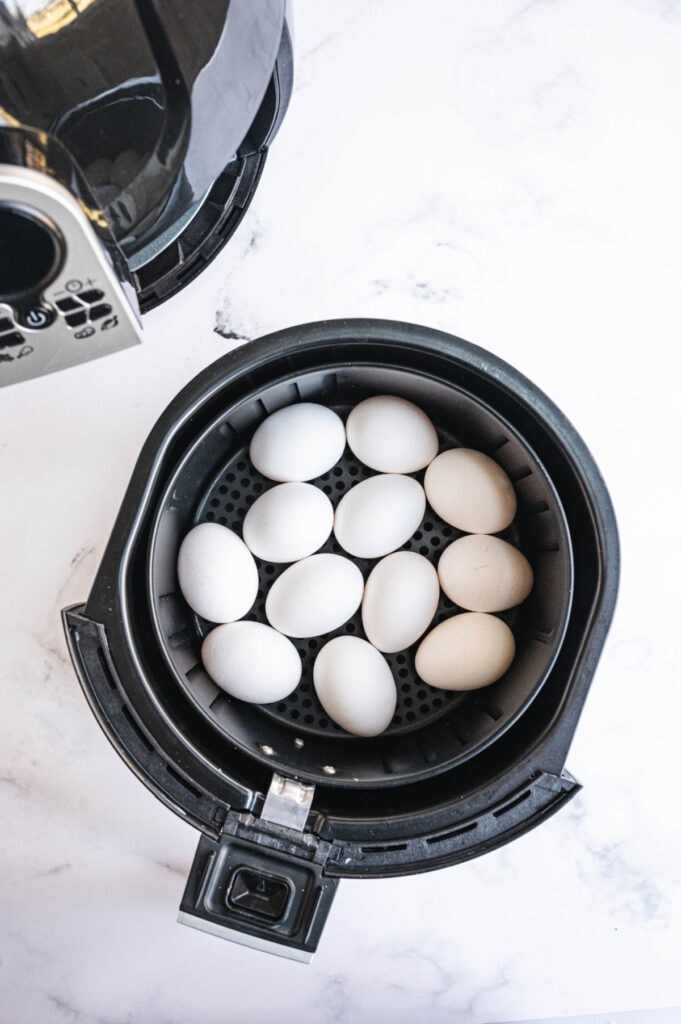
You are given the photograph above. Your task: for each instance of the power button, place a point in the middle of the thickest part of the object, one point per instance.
(36, 318)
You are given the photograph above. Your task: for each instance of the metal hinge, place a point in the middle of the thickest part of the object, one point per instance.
(287, 802)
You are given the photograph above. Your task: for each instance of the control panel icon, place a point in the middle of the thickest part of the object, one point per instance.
(37, 318)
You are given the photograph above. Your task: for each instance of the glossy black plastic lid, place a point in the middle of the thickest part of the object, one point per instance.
(151, 99)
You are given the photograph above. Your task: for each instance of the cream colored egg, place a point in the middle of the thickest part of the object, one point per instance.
(400, 599)
(298, 442)
(315, 595)
(471, 491)
(484, 574)
(288, 522)
(466, 652)
(391, 435)
(379, 515)
(355, 686)
(217, 574)
(251, 661)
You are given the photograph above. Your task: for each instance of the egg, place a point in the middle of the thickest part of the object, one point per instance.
(251, 661)
(466, 652)
(217, 574)
(355, 686)
(471, 491)
(298, 442)
(315, 595)
(400, 599)
(379, 515)
(288, 522)
(484, 574)
(391, 435)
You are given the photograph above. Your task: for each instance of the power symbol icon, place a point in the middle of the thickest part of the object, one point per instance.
(37, 318)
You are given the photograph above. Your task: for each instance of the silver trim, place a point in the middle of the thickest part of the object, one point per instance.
(253, 941)
(85, 267)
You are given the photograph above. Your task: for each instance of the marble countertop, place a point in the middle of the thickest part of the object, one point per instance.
(508, 172)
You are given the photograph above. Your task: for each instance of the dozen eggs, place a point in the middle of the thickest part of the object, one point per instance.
(319, 592)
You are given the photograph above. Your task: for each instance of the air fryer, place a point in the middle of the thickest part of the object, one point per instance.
(286, 803)
(132, 138)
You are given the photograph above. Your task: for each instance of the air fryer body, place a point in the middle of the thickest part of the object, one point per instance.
(154, 119)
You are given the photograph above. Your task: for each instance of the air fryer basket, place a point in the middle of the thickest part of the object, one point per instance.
(286, 802)
(217, 483)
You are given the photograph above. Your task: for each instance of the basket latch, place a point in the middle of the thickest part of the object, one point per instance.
(262, 882)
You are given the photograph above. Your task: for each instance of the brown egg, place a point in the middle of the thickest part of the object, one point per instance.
(466, 652)
(484, 574)
(471, 491)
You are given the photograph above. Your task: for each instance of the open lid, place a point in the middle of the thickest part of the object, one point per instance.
(152, 100)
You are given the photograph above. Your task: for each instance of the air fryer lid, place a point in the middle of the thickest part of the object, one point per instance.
(448, 780)
(171, 88)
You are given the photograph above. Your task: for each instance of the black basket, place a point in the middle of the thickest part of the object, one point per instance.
(453, 775)
(217, 483)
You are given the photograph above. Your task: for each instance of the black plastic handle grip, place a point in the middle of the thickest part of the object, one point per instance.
(257, 896)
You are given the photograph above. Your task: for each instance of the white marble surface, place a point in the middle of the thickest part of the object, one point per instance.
(507, 171)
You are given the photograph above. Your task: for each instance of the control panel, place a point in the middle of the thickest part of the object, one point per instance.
(61, 301)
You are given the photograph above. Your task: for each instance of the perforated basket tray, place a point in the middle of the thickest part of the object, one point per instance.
(215, 482)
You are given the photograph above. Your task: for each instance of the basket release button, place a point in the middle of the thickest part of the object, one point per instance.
(261, 894)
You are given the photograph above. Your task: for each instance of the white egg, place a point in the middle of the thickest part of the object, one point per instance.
(471, 491)
(298, 442)
(468, 651)
(391, 435)
(379, 515)
(400, 598)
(355, 686)
(217, 574)
(288, 522)
(251, 661)
(315, 595)
(484, 574)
